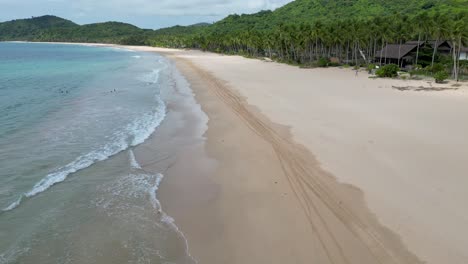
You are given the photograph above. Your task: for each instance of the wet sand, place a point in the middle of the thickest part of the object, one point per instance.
(318, 166)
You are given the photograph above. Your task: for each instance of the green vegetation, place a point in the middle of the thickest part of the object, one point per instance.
(437, 67)
(318, 32)
(370, 68)
(390, 70)
(52, 28)
(109, 32)
(441, 76)
(31, 29)
(323, 62)
(303, 32)
(176, 37)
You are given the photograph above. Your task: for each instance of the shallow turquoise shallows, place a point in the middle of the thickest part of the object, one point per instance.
(70, 188)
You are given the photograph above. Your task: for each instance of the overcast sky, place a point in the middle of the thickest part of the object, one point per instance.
(143, 13)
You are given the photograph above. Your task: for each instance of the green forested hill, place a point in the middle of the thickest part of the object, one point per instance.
(310, 11)
(303, 31)
(320, 32)
(108, 32)
(52, 28)
(31, 28)
(178, 30)
(298, 12)
(304, 10)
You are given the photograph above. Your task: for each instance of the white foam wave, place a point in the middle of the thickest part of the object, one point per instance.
(13, 205)
(126, 192)
(79, 164)
(144, 127)
(122, 49)
(152, 77)
(12, 254)
(166, 219)
(152, 191)
(133, 161)
(136, 57)
(134, 134)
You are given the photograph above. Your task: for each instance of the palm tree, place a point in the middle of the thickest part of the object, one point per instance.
(317, 32)
(439, 31)
(420, 26)
(458, 36)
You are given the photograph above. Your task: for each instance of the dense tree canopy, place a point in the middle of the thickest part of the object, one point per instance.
(24, 29)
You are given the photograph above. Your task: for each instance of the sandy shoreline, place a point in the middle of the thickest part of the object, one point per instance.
(363, 131)
(318, 166)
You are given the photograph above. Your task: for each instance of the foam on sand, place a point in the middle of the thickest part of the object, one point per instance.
(133, 198)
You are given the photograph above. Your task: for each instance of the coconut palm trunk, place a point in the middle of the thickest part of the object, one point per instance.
(381, 53)
(456, 60)
(417, 48)
(399, 53)
(454, 55)
(434, 53)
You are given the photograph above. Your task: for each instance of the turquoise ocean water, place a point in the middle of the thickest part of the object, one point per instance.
(71, 190)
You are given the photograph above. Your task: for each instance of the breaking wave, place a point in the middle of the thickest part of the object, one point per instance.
(134, 134)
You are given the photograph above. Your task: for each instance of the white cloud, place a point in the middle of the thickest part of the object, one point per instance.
(171, 7)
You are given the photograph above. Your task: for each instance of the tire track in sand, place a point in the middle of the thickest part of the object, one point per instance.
(345, 236)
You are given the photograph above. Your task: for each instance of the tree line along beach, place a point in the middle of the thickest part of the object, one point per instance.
(248, 140)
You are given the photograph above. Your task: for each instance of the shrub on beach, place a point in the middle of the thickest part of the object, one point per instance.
(370, 68)
(390, 71)
(436, 68)
(441, 76)
(323, 62)
(334, 64)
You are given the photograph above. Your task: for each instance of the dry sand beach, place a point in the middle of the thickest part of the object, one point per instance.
(320, 166)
